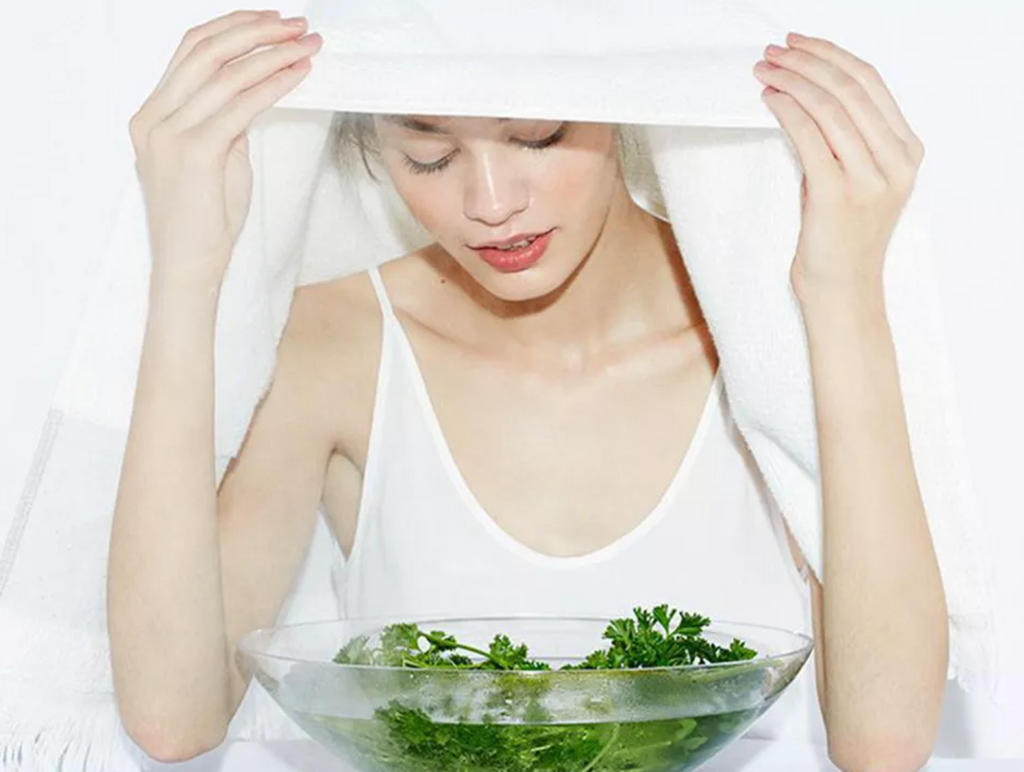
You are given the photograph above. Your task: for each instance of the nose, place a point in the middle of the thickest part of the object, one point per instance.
(495, 190)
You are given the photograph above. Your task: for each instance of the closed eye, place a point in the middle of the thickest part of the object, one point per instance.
(552, 139)
(432, 168)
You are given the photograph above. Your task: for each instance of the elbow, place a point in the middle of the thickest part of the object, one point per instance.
(895, 741)
(167, 745)
(881, 755)
(169, 728)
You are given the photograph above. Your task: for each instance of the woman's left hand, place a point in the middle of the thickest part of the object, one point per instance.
(859, 158)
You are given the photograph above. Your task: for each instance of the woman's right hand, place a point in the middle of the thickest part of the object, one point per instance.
(190, 138)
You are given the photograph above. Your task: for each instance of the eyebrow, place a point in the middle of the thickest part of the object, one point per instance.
(415, 124)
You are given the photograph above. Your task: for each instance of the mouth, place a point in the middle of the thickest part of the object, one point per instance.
(518, 241)
(516, 253)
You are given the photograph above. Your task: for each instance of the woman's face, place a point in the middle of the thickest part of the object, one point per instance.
(474, 181)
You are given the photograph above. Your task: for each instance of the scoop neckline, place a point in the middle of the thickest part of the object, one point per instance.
(506, 540)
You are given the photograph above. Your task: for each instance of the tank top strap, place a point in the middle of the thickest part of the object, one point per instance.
(377, 447)
(382, 294)
(390, 332)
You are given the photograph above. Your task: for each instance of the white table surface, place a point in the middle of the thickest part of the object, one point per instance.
(746, 755)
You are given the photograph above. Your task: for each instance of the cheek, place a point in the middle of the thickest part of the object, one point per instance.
(432, 201)
(582, 180)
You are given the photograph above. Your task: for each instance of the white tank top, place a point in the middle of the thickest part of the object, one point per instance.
(423, 544)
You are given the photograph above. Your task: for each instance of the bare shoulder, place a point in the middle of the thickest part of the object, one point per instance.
(323, 311)
(331, 346)
(348, 306)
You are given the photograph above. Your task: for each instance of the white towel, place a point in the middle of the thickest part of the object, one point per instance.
(702, 148)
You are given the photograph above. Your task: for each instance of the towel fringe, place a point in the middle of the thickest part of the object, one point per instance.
(47, 738)
(84, 733)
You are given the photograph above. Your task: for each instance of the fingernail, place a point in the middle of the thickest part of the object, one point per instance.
(774, 50)
(297, 21)
(794, 37)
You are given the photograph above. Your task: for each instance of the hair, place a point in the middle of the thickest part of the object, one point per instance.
(353, 133)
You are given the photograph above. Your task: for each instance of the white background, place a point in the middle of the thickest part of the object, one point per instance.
(74, 71)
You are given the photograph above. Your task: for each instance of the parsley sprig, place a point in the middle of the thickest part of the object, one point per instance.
(656, 639)
(400, 647)
(662, 637)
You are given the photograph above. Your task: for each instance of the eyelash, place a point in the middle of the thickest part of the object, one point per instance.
(541, 144)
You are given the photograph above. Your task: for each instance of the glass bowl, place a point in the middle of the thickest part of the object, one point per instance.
(395, 719)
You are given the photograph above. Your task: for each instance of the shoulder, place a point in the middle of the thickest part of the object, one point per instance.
(347, 307)
(330, 350)
(325, 314)
(328, 354)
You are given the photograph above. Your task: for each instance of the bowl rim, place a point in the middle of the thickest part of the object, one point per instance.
(244, 644)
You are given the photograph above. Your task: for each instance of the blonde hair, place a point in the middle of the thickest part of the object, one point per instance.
(352, 134)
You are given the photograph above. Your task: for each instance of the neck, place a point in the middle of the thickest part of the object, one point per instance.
(630, 287)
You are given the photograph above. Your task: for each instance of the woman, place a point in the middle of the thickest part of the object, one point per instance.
(549, 340)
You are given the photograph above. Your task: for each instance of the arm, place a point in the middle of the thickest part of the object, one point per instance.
(177, 595)
(164, 602)
(191, 571)
(881, 614)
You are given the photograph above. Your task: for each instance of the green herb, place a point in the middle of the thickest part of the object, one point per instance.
(640, 642)
(654, 639)
(516, 733)
(400, 647)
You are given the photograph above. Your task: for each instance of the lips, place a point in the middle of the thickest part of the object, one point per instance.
(510, 241)
(514, 259)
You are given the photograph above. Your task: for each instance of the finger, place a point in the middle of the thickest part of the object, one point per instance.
(240, 76)
(244, 108)
(819, 165)
(885, 146)
(212, 53)
(865, 74)
(209, 29)
(833, 121)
